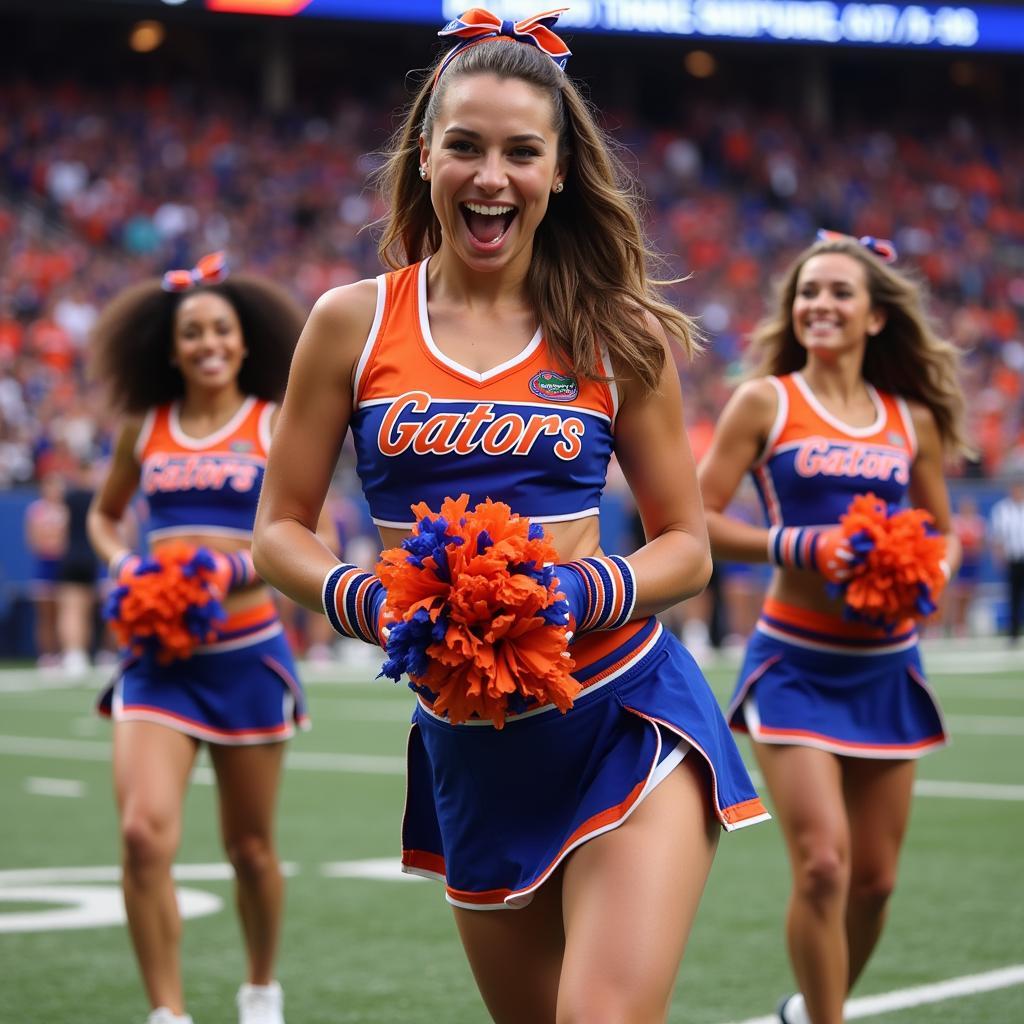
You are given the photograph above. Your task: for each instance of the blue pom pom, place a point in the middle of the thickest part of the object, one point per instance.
(199, 619)
(112, 605)
(408, 642)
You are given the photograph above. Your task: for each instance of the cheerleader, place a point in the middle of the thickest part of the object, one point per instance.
(853, 393)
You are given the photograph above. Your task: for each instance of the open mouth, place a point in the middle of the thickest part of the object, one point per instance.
(488, 223)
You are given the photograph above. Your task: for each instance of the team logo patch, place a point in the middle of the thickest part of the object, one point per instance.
(555, 387)
(241, 447)
(894, 437)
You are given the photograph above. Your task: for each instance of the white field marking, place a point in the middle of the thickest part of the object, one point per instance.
(948, 789)
(968, 790)
(38, 786)
(91, 906)
(300, 760)
(354, 709)
(204, 775)
(986, 725)
(920, 995)
(360, 764)
(90, 897)
(979, 686)
(379, 869)
(382, 764)
(219, 871)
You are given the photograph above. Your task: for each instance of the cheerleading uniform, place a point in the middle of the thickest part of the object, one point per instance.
(493, 812)
(242, 688)
(813, 678)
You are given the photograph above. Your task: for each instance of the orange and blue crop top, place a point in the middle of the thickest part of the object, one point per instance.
(813, 464)
(206, 485)
(525, 432)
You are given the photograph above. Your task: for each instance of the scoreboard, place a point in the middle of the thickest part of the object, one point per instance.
(950, 27)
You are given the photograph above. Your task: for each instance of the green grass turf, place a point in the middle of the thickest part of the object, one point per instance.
(379, 952)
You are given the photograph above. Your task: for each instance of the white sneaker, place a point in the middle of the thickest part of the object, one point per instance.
(161, 1015)
(260, 1004)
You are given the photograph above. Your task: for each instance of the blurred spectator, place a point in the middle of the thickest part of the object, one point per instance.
(99, 188)
(969, 527)
(46, 537)
(1008, 541)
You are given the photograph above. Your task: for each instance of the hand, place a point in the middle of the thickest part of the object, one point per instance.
(600, 592)
(822, 549)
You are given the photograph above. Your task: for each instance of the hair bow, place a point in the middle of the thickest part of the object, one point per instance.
(881, 247)
(478, 25)
(209, 269)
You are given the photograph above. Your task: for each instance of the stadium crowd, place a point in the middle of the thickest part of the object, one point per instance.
(98, 190)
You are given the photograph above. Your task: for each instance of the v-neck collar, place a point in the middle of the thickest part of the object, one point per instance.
(834, 421)
(464, 371)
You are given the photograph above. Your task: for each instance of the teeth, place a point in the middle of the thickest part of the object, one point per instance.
(489, 211)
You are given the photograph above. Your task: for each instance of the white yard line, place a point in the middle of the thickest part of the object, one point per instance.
(97, 750)
(38, 786)
(986, 725)
(920, 995)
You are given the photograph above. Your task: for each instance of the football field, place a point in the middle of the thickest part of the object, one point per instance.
(365, 944)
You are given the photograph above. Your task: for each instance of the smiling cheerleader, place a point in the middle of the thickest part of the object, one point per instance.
(569, 768)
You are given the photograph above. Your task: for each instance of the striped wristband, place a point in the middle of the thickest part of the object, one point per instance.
(793, 547)
(352, 601)
(243, 572)
(118, 561)
(607, 593)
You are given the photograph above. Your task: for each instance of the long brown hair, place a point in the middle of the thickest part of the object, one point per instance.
(907, 357)
(589, 276)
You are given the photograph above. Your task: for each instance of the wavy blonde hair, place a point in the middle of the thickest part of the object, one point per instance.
(589, 278)
(907, 357)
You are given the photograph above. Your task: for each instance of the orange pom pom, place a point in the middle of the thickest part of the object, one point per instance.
(479, 624)
(168, 604)
(899, 570)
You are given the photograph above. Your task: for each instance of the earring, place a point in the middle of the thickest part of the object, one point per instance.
(559, 185)
(423, 172)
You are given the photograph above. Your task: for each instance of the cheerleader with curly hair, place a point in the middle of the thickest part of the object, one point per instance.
(853, 393)
(196, 363)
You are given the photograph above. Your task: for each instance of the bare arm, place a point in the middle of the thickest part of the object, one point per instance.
(740, 436)
(653, 450)
(314, 417)
(928, 482)
(105, 521)
(326, 529)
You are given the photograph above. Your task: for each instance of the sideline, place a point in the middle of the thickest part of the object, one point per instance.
(920, 995)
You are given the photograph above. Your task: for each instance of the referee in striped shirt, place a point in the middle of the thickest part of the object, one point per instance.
(1008, 536)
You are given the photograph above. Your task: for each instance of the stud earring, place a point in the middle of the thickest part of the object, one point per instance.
(423, 172)
(559, 185)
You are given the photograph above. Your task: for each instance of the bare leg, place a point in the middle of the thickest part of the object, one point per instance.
(878, 797)
(151, 770)
(247, 779)
(516, 956)
(602, 940)
(806, 787)
(629, 899)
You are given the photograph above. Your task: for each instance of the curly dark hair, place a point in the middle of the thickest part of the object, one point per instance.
(133, 338)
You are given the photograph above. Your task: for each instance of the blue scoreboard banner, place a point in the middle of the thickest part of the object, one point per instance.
(950, 27)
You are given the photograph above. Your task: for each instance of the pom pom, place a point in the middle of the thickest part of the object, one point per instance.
(477, 622)
(167, 604)
(898, 568)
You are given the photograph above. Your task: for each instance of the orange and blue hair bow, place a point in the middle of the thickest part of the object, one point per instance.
(478, 25)
(881, 247)
(209, 269)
